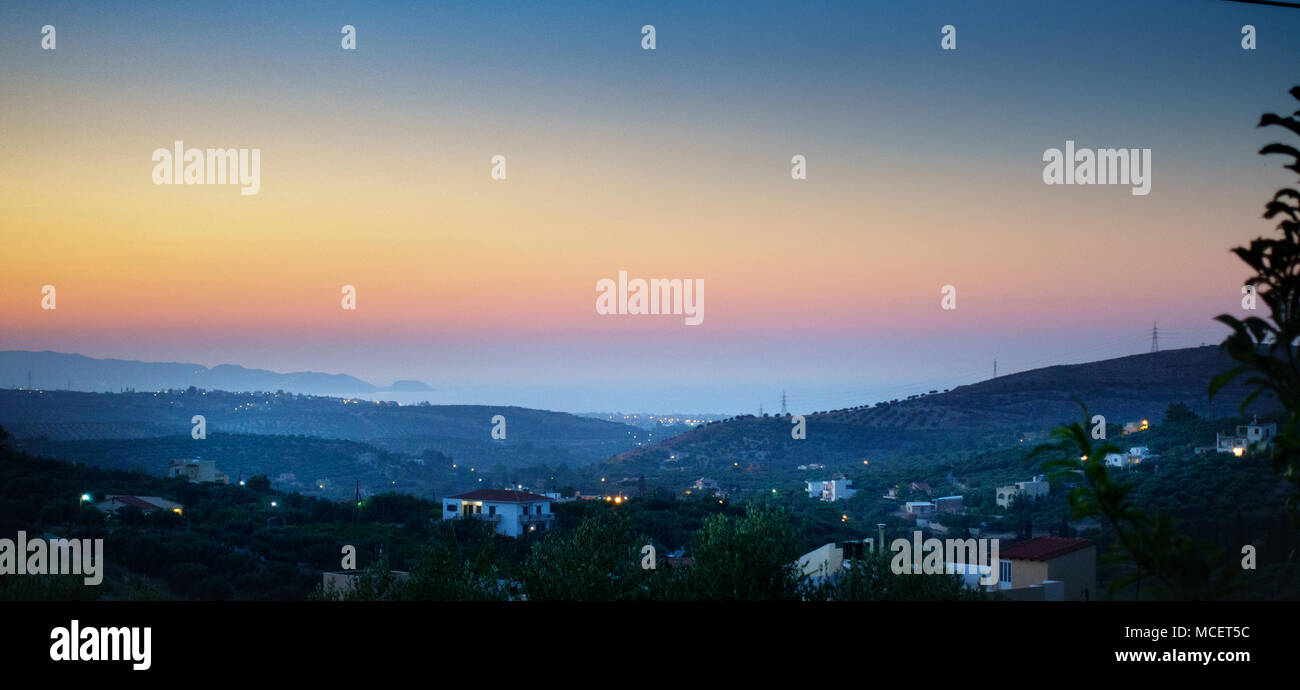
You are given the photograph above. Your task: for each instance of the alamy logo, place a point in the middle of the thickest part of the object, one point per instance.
(75, 643)
(180, 165)
(1100, 166)
(656, 296)
(53, 557)
(950, 556)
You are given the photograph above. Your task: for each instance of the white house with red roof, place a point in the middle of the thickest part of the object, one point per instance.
(511, 512)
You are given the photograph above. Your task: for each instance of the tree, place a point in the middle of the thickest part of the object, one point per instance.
(599, 561)
(749, 558)
(1176, 566)
(461, 565)
(1178, 412)
(1265, 349)
(259, 482)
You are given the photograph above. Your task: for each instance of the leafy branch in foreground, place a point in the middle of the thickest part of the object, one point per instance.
(1178, 566)
(1266, 349)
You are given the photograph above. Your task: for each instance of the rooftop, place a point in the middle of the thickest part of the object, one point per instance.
(501, 496)
(1044, 548)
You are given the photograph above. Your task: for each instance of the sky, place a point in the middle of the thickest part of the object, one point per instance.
(924, 169)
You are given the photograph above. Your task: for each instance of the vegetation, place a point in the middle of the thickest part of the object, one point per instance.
(1266, 348)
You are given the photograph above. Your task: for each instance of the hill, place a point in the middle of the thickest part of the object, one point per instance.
(57, 370)
(533, 437)
(997, 413)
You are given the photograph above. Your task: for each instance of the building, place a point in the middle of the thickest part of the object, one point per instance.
(1134, 427)
(146, 504)
(1032, 489)
(919, 508)
(1245, 435)
(197, 471)
(1049, 568)
(511, 512)
(826, 561)
(832, 489)
(707, 485)
(1135, 455)
(831, 560)
(948, 504)
(1256, 432)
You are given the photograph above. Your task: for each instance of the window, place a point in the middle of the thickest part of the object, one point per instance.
(1004, 571)
(451, 507)
(492, 510)
(539, 510)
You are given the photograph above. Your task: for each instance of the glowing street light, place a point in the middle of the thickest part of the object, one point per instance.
(85, 498)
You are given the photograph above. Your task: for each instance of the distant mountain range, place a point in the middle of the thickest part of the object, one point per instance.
(61, 371)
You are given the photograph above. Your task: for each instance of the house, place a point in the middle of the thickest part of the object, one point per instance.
(146, 504)
(511, 512)
(197, 471)
(919, 508)
(831, 560)
(826, 561)
(948, 504)
(1049, 569)
(832, 489)
(1032, 489)
(1256, 432)
(703, 484)
(1134, 427)
(1245, 435)
(1135, 455)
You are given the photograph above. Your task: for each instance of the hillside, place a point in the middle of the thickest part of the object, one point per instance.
(57, 370)
(987, 415)
(461, 431)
